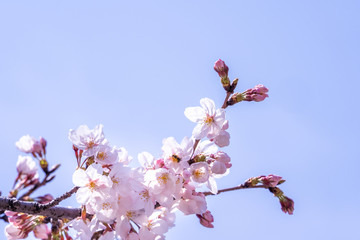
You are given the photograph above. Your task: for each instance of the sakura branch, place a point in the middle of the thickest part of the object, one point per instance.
(118, 201)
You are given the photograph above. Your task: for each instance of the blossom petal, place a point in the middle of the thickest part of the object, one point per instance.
(200, 131)
(80, 178)
(208, 105)
(195, 114)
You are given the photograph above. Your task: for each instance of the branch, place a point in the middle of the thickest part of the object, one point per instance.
(56, 201)
(12, 204)
(242, 186)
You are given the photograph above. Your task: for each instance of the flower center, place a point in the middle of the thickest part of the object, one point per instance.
(101, 156)
(92, 185)
(198, 173)
(144, 195)
(163, 178)
(209, 119)
(90, 143)
(106, 206)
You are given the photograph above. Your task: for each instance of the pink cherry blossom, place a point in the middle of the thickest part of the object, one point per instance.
(28, 144)
(209, 120)
(26, 165)
(176, 155)
(91, 183)
(199, 172)
(88, 140)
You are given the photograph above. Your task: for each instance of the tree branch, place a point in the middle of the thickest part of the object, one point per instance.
(56, 201)
(34, 208)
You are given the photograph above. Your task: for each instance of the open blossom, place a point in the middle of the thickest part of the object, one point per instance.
(209, 119)
(28, 144)
(91, 183)
(106, 155)
(192, 202)
(13, 232)
(26, 165)
(223, 138)
(199, 172)
(88, 140)
(176, 155)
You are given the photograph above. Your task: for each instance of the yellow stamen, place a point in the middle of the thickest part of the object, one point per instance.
(163, 178)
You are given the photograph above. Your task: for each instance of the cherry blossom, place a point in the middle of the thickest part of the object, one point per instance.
(209, 119)
(91, 183)
(86, 139)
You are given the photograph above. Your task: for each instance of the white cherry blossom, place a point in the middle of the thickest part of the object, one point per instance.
(86, 139)
(209, 119)
(91, 182)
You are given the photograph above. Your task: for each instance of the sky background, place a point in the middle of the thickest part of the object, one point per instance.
(134, 66)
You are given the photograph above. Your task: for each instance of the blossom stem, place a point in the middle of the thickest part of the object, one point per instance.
(225, 105)
(242, 186)
(36, 186)
(56, 201)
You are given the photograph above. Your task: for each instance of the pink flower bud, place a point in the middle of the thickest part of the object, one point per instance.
(287, 204)
(257, 93)
(43, 144)
(206, 219)
(270, 180)
(159, 163)
(221, 68)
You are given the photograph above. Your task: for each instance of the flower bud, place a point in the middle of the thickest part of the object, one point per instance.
(206, 219)
(43, 144)
(287, 204)
(221, 68)
(270, 180)
(257, 94)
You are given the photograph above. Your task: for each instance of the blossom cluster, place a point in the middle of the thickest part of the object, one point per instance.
(139, 203)
(119, 201)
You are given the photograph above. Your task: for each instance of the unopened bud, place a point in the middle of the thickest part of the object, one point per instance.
(221, 68)
(206, 219)
(287, 204)
(270, 180)
(257, 93)
(44, 165)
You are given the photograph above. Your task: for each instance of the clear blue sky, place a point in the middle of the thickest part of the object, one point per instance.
(134, 66)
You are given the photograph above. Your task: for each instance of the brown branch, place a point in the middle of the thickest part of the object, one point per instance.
(34, 208)
(56, 201)
(225, 105)
(242, 186)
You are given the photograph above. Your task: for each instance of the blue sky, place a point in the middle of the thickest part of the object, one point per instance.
(134, 66)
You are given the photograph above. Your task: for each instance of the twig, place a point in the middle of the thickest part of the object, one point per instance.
(44, 181)
(242, 186)
(225, 105)
(56, 201)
